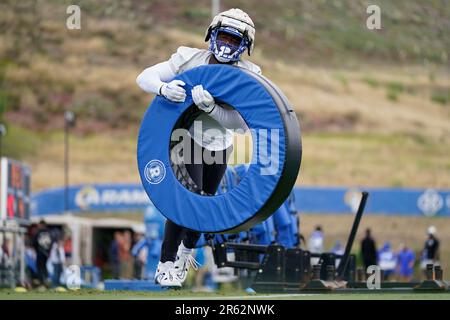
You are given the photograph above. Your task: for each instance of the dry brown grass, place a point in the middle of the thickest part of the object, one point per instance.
(373, 160)
(352, 134)
(93, 159)
(327, 160)
(317, 92)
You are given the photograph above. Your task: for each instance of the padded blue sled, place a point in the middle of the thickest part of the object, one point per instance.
(270, 176)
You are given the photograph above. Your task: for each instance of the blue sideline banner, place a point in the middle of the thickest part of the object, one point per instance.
(90, 198)
(387, 201)
(314, 200)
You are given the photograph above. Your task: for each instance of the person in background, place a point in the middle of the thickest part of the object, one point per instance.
(286, 224)
(368, 250)
(301, 241)
(283, 231)
(203, 271)
(30, 263)
(42, 243)
(154, 229)
(30, 257)
(139, 253)
(405, 263)
(338, 249)
(430, 252)
(126, 263)
(68, 247)
(114, 255)
(57, 258)
(316, 243)
(4, 255)
(387, 261)
(4, 251)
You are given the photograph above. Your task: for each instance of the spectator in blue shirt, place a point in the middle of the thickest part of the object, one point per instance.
(405, 263)
(339, 250)
(387, 260)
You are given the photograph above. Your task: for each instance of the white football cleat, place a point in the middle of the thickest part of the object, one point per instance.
(184, 261)
(165, 275)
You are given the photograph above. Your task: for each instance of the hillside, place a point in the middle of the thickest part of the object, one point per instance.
(374, 106)
(45, 68)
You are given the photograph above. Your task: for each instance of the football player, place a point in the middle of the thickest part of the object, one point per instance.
(230, 34)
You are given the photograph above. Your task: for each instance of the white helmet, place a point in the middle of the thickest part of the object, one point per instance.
(233, 19)
(431, 230)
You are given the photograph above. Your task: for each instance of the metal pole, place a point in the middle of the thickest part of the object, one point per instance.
(66, 165)
(2, 257)
(22, 256)
(351, 238)
(215, 7)
(69, 120)
(14, 256)
(2, 133)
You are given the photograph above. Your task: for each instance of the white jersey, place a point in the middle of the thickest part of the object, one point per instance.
(210, 134)
(187, 58)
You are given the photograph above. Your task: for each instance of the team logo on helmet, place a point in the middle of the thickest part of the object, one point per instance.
(154, 171)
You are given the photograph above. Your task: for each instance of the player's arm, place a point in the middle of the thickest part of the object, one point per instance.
(230, 119)
(155, 80)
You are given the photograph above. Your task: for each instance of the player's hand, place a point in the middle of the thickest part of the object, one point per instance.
(174, 91)
(203, 99)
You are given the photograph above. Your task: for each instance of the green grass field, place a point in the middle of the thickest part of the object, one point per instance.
(237, 295)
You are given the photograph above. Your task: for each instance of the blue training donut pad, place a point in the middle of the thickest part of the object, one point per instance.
(244, 204)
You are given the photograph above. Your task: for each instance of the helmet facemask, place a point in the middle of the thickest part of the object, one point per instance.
(224, 51)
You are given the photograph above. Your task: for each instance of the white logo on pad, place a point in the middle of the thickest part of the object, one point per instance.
(155, 171)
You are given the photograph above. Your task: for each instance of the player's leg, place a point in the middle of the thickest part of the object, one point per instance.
(213, 173)
(169, 247)
(173, 233)
(211, 176)
(184, 259)
(41, 265)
